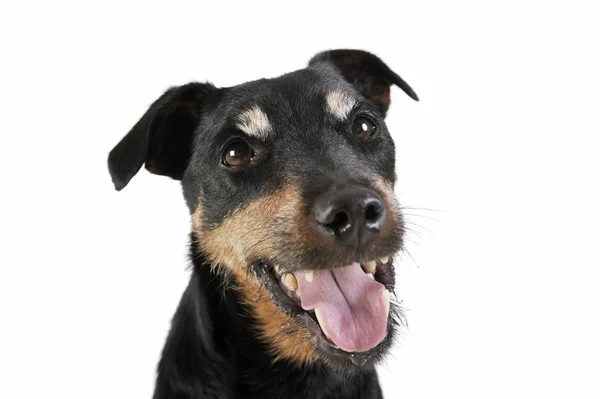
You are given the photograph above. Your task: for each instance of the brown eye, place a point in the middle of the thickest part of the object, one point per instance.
(238, 154)
(363, 127)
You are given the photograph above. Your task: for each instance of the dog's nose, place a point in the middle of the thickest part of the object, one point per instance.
(354, 215)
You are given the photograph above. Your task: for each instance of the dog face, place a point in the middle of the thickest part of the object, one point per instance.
(290, 185)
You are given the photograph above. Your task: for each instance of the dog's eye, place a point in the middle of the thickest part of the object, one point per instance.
(238, 154)
(363, 127)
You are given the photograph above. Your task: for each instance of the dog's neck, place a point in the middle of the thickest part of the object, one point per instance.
(209, 328)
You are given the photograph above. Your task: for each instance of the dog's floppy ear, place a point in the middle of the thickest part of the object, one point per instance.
(162, 138)
(369, 74)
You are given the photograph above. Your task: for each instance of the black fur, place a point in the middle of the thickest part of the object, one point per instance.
(212, 351)
(162, 138)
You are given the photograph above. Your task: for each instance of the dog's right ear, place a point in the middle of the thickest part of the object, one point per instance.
(367, 73)
(162, 138)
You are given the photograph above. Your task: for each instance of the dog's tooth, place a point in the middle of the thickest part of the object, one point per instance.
(371, 276)
(369, 266)
(386, 301)
(322, 324)
(277, 269)
(384, 260)
(289, 280)
(309, 276)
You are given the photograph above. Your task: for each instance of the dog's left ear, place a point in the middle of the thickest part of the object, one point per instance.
(367, 72)
(162, 138)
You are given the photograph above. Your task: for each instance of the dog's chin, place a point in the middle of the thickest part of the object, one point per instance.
(345, 355)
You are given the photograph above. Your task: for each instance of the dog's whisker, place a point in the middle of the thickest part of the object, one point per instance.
(410, 207)
(410, 230)
(412, 241)
(405, 251)
(415, 215)
(427, 230)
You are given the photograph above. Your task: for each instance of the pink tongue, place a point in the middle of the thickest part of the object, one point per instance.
(352, 309)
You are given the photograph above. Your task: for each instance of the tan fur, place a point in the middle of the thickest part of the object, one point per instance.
(242, 237)
(392, 207)
(245, 234)
(340, 103)
(286, 337)
(386, 186)
(255, 122)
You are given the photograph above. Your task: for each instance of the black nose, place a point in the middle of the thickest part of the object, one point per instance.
(354, 215)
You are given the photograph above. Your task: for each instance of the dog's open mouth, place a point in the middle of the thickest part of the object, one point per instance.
(346, 308)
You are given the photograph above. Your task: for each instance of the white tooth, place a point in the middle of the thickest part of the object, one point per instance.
(277, 269)
(386, 301)
(321, 322)
(371, 276)
(289, 280)
(309, 276)
(369, 266)
(384, 260)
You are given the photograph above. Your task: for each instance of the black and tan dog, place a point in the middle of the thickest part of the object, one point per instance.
(289, 182)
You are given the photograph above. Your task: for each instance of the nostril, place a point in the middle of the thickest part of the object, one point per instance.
(340, 222)
(373, 212)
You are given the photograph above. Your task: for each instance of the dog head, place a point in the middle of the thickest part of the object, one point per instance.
(290, 185)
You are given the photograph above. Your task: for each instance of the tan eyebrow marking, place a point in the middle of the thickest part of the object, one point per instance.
(340, 103)
(254, 122)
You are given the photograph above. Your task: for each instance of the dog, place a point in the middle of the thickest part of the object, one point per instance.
(290, 186)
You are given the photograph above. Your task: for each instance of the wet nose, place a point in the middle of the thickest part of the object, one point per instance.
(353, 215)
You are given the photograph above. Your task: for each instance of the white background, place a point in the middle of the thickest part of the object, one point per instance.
(499, 161)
